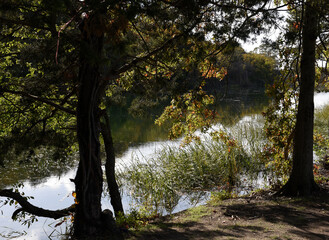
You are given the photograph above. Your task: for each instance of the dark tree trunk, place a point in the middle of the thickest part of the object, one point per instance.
(89, 178)
(301, 181)
(110, 166)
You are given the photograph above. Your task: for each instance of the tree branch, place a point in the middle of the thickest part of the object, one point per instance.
(23, 23)
(29, 208)
(150, 54)
(40, 99)
(262, 9)
(141, 36)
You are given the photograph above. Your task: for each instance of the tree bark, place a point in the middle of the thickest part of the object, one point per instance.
(301, 181)
(89, 178)
(110, 166)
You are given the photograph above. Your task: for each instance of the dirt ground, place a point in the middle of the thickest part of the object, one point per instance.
(259, 216)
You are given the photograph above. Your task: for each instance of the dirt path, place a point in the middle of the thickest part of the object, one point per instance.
(255, 217)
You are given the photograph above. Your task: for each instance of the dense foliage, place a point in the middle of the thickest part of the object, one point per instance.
(66, 61)
(285, 92)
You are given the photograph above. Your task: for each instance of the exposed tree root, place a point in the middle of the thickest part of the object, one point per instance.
(29, 208)
(292, 189)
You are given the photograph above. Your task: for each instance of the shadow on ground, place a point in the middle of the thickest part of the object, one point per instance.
(280, 218)
(306, 219)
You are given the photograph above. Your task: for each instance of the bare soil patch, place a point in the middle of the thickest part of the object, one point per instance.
(260, 216)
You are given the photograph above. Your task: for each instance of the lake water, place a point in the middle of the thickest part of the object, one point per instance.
(54, 191)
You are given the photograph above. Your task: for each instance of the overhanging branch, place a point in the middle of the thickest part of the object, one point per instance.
(150, 54)
(29, 208)
(23, 23)
(40, 99)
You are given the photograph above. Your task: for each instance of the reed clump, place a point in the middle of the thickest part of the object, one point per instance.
(219, 162)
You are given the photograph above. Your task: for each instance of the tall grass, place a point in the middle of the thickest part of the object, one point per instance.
(321, 134)
(158, 183)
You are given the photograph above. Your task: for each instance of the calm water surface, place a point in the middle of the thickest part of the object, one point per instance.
(55, 191)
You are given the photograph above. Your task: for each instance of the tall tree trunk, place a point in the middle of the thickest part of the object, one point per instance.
(89, 178)
(110, 166)
(301, 181)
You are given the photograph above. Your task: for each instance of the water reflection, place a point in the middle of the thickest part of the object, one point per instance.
(232, 110)
(130, 132)
(321, 99)
(50, 185)
(54, 192)
(36, 169)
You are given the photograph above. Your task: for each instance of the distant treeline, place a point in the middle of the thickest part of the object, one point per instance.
(244, 70)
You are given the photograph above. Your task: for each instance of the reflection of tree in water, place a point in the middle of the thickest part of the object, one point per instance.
(130, 131)
(35, 166)
(234, 107)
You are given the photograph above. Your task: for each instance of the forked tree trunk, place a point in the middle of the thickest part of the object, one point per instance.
(89, 178)
(301, 181)
(110, 166)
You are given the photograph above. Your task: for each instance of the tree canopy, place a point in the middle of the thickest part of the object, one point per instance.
(64, 61)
